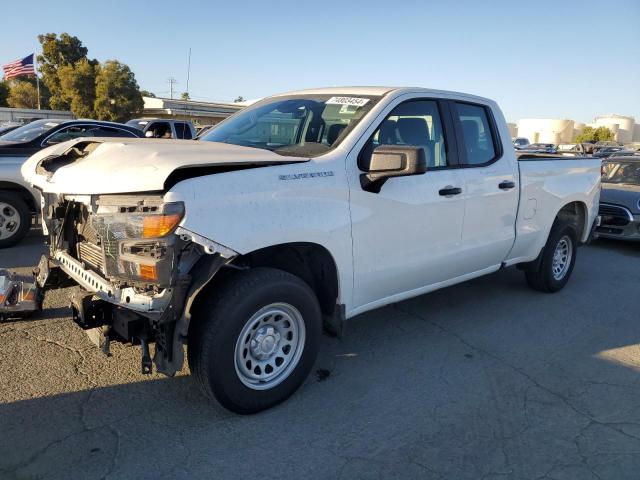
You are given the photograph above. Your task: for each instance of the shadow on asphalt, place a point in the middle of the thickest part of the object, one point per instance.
(26, 253)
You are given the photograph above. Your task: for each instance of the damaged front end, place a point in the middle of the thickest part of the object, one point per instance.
(136, 270)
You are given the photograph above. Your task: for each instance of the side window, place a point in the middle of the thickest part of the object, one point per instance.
(182, 130)
(68, 133)
(415, 123)
(159, 130)
(108, 132)
(476, 132)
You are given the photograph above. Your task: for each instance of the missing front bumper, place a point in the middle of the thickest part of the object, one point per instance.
(20, 295)
(127, 297)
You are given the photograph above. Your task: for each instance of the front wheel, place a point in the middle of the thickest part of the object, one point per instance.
(558, 259)
(15, 219)
(254, 341)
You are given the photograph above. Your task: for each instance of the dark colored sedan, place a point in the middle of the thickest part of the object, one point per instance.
(620, 198)
(7, 127)
(34, 136)
(606, 152)
(18, 200)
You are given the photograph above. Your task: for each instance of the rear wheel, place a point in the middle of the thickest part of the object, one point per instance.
(558, 258)
(15, 219)
(254, 341)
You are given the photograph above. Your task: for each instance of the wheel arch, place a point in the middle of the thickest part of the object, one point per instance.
(311, 262)
(22, 192)
(575, 212)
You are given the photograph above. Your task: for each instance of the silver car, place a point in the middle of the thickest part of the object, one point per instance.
(620, 198)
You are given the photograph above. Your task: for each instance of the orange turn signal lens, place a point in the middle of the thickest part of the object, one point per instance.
(159, 225)
(148, 272)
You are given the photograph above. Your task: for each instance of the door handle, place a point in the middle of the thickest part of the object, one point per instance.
(450, 190)
(506, 185)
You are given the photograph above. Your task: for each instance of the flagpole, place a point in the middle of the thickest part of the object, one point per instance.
(38, 88)
(35, 69)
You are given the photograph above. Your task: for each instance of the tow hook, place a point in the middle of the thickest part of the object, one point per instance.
(20, 296)
(145, 362)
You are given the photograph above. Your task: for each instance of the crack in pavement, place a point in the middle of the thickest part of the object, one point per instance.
(589, 418)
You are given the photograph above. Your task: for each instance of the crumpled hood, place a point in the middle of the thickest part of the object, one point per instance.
(623, 194)
(118, 165)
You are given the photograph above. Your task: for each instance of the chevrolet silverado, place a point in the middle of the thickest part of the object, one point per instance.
(301, 211)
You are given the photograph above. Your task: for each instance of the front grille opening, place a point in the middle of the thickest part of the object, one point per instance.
(614, 215)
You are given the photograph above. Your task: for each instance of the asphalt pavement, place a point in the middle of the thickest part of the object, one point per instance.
(484, 380)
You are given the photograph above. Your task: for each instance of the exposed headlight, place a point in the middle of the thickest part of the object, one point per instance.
(154, 224)
(137, 244)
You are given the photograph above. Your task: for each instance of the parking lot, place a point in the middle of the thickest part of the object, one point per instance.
(488, 379)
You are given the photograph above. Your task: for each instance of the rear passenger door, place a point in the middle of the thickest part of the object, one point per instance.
(491, 187)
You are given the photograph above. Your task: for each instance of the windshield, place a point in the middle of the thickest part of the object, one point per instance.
(297, 125)
(621, 172)
(30, 131)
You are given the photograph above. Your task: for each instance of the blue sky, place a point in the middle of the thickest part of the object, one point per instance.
(560, 58)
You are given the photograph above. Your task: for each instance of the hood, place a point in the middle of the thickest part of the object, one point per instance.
(624, 194)
(102, 165)
(17, 148)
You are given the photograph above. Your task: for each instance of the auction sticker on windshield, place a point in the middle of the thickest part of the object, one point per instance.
(355, 101)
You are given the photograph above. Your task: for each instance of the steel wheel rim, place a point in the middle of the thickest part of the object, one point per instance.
(562, 257)
(9, 220)
(269, 346)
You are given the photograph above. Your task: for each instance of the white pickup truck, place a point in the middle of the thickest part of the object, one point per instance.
(305, 209)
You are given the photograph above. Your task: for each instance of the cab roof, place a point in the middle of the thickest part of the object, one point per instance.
(377, 91)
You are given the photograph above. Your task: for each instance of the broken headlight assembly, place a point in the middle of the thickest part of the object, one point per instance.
(137, 244)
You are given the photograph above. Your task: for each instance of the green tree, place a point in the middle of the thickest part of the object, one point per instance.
(590, 134)
(78, 87)
(58, 52)
(239, 99)
(4, 93)
(147, 93)
(185, 96)
(117, 92)
(22, 94)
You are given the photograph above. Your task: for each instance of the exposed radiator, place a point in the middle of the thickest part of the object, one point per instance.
(91, 254)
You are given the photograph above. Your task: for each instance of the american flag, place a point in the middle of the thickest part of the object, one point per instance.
(23, 66)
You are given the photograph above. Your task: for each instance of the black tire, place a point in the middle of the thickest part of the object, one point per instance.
(14, 203)
(542, 278)
(219, 321)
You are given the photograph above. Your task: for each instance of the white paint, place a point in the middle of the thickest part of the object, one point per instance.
(402, 242)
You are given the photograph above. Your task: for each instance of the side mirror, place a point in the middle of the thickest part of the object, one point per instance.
(148, 134)
(388, 161)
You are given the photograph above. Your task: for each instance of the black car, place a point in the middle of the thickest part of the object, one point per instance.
(34, 136)
(7, 127)
(540, 148)
(19, 201)
(620, 198)
(606, 152)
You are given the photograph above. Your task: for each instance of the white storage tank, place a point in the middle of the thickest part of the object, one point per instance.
(622, 126)
(546, 130)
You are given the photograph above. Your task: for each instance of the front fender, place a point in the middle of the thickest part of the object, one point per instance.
(253, 209)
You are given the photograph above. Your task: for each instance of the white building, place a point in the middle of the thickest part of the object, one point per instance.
(200, 113)
(552, 130)
(27, 114)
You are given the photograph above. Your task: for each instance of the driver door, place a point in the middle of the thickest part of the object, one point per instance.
(407, 236)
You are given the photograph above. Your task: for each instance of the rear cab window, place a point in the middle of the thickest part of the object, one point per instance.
(479, 137)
